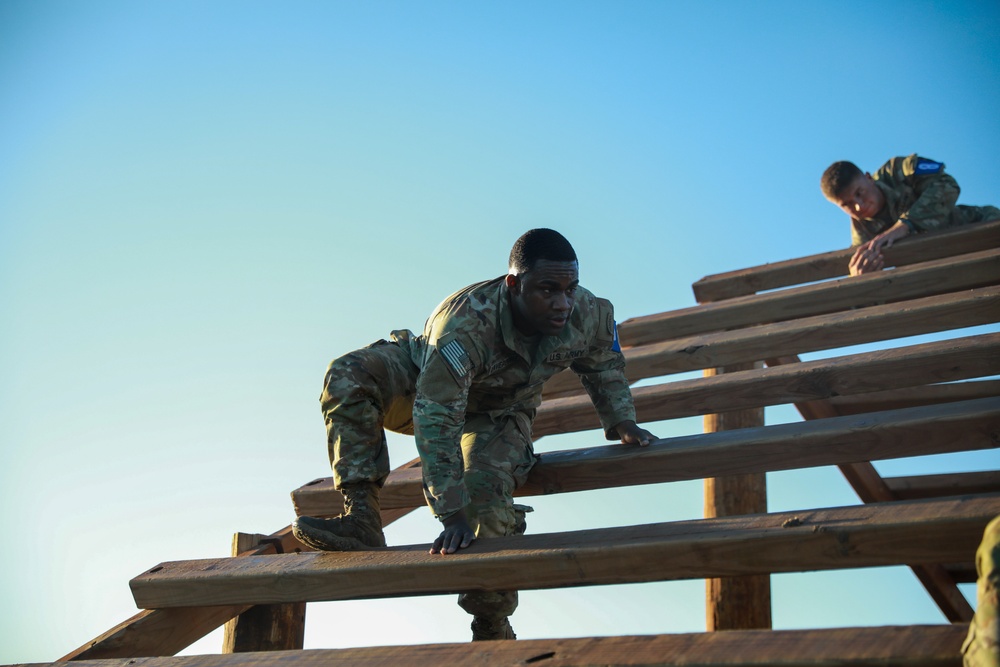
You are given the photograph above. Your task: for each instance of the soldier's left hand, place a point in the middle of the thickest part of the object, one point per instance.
(457, 534)
(632, 434)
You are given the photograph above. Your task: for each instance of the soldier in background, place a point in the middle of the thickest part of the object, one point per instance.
(982, 645)
(908, 195)
(467, 389)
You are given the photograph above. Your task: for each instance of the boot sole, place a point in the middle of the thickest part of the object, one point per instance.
(325, 541)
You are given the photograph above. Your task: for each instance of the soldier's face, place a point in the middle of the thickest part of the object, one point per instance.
(543, 298)
(860, 199)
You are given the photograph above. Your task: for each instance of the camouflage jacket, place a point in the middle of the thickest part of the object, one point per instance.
(916, 190)
(473, 360)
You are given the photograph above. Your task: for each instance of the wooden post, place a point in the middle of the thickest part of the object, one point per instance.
(265, 627)
(736, 603)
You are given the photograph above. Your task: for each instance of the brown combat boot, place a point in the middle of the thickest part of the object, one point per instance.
(487, 628)
(357, 529)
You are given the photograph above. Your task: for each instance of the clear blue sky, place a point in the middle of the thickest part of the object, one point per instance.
(202, 203)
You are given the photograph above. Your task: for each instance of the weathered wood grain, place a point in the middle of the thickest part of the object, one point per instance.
(977, 269)
(959, 426)
(812, 268)
(900, 533)
(900, 646)
(822, 332)
(941, 361)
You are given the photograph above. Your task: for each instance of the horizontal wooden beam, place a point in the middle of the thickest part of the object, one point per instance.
(921, 531)
(948, 484)
(812, 268)
(911, 397)
(940, 429)
(822, 332)
(977, 269)
(901, 646)
(941, 361)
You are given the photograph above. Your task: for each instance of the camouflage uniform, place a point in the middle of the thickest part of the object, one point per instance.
(918, 192)
(982, 645)
(467, 389)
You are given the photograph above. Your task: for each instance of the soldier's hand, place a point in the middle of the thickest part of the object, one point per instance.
(867, 259)
(632, 434)
(457, 534)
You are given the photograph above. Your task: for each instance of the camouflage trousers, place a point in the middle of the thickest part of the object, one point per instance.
(372, 389)
(982, 645)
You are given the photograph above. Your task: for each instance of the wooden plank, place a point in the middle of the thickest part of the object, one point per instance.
(872, 488)
(962, 426)
(823, 266)
(948, 484)
(822, 332)
(166, 631)
(978, 269)
(910, 397)
(266, 627)
(941, 361)
(736, 603)
(899, 533)
(902, 646)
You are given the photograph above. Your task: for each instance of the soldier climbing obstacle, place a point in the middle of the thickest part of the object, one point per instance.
(907, 195)
(467, 388)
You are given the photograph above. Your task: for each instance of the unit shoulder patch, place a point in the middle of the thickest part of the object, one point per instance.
(925, 166)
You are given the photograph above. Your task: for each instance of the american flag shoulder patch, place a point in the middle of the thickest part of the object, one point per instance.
(458, 359)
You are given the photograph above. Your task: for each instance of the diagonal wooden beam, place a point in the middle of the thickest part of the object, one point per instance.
(904, 532)
(160, 632)
(823, 266)
(977, 269)
(902, 646)
(870, 487)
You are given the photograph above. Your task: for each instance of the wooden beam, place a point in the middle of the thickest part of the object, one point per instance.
(822, 332)
(963, 426)
(736, 603)
(911, 397)
(812, 268)
(941, 361)
(266, 627)
(949, 484)
(901, 646)
(166, 631)
(899, 533)
(870, 486)
(978, 269)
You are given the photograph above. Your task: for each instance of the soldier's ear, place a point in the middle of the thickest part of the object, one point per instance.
(513, 284)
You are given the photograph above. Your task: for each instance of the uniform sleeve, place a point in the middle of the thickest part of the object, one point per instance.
(602, 372)
(936, 193)
(438, 420)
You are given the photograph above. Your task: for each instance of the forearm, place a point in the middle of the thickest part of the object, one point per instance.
(437, 433)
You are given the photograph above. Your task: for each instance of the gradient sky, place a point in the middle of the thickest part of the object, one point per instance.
(202, 203)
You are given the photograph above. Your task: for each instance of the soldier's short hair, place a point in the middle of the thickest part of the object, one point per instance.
(539, 244)
(837, 177)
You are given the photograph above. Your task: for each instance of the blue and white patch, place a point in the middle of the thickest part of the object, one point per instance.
(615, 345)
(458, 359)
(925, 166)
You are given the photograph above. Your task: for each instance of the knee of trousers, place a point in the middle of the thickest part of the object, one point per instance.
(493, 604)
(491, 509)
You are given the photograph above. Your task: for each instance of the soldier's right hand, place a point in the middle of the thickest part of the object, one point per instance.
(457, 534)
